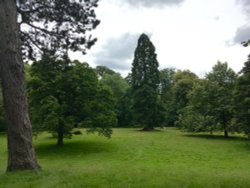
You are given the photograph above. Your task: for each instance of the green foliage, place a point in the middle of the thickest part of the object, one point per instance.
(62, 96)
(116, 83)
(101, 116)
(123, 101)
(210, 102)
(145, 80)
(59, 25)
(225, 78)
(198, 115)
(183, 82)
(242, 99)
(145, 65)
(166, 82)
(166, 91)
(101, 71)
(145, 108)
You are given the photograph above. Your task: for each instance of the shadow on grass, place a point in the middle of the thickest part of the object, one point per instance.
(216, 137)
(2, 134)
(73, 148)
(158, 130)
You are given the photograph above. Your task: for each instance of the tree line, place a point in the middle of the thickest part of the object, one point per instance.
(65, 94)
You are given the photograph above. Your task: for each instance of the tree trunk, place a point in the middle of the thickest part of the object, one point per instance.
(21, 154)
(149, 128)
(225, 133)
(60, 135)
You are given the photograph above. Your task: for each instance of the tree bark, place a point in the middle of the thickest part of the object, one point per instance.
(21, 154)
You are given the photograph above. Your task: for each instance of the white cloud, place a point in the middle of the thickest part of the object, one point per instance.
(245, 6)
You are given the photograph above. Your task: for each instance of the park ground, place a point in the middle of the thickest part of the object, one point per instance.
(132, 158)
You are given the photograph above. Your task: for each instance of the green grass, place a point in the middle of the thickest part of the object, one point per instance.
(167, 158)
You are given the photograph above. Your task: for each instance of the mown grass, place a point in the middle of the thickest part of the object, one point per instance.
(167, 158)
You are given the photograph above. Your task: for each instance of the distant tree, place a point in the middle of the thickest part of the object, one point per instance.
(225, 78)
(27, 27)
(145, 80)
(126, 116)
(120, 90)
(199, 114)
(183, 84)
(116, 83)
(210, 104)
(242, 99)
(166, 81)
(101, 71)
(166, 92)
(184, 74)
(62, 93)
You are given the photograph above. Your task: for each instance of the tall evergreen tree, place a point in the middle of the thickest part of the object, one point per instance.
(145, 83)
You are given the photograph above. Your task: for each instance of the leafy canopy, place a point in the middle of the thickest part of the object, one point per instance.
(65, 94)
(57, 25)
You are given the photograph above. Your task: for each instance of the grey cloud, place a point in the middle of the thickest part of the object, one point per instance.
(116, 52)
(245, 5)
(242, 34)
(153, 3)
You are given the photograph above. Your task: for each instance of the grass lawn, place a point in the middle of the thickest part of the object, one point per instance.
(167, 158)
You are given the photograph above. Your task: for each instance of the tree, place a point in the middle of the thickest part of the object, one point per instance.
(166, 91)
(225, 79)
(183, 84)
(62, 93)
(101, 71)
(145, 83)
(120, 90)
(199, 114)
(242, 99)
(58, 25)
(209, 106)
(101, 116)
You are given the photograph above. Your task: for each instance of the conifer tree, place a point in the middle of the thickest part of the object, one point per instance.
(145, 84)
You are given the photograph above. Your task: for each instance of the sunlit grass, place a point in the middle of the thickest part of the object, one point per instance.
(132, 158)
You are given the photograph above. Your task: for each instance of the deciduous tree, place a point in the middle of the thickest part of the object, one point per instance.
(209, 106)
(225, 78)
(66, 94)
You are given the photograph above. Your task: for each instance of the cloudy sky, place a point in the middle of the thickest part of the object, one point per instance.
(187, 34)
